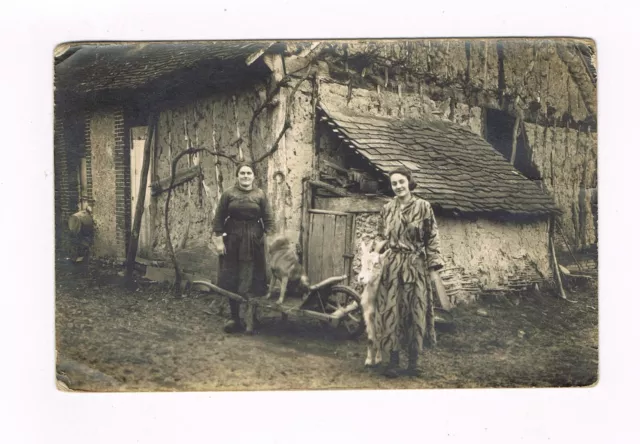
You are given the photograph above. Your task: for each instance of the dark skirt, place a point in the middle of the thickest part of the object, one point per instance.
(242, 269)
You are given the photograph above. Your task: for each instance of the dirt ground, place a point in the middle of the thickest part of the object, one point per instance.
(112, 339)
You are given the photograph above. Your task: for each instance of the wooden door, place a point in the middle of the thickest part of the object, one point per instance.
(330, 245)
(138, 136)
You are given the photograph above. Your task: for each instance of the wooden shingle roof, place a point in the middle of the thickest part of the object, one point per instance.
(455, 168)
(122, 67)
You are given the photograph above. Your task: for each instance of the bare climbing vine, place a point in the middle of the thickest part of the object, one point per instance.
(195, 150)
(174, 163)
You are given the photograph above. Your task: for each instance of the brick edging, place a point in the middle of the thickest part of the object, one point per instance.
(87, 156)
(61, 182)
(123, 182)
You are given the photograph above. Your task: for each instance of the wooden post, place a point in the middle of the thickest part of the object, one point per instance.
(307, 203)
(486, 57)
(552, 223)
(554, 260)
(514, 140)
(277, 162)
(135, 229)
(566, 242)
(349, 253)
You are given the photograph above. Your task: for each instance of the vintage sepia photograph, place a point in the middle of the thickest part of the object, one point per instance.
(326, 214)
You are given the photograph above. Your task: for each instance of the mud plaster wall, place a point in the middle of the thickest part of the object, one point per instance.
(292, 162)
(567, 161)
(547, 73)
(479, 255)
(572, 180)
(215, 123)
(399, 104)
(102, 128)
(533, 70)
(486, 254)
(223, 118)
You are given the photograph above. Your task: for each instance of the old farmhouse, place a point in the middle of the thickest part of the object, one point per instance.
(496, 151)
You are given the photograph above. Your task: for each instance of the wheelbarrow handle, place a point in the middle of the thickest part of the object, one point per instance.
(222, 291)
(328, 281)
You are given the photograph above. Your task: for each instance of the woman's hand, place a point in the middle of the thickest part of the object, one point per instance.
(268, 240)
(218, 244)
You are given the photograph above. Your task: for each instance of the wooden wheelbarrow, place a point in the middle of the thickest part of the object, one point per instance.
(326, 301)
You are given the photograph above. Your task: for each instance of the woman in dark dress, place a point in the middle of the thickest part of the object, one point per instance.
(244, 217)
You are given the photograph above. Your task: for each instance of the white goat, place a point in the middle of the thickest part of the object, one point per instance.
(370, 273)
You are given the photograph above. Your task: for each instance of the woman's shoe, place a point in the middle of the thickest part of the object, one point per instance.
(412, 368)
(393, 367)
(414, 372)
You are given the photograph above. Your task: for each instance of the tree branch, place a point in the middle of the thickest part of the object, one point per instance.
(295, 88)
(172, 253)
(287, 122)
(259, 110)
(174, 165)
(193, 150)
(272, 95)
(275, 145)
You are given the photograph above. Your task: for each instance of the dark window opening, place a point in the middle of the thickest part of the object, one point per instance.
(499, 133)
(343, 167)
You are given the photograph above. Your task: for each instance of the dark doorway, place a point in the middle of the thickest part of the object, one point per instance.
(499, 133)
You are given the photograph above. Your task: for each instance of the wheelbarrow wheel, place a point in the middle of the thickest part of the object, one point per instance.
(340, 298)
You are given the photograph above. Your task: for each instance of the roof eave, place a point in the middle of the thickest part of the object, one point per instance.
(203, 71)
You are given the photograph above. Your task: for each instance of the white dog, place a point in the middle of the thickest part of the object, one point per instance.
(370, 274)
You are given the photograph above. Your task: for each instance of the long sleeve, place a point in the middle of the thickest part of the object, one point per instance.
(267, 215)
(432, 242)
(221, 214)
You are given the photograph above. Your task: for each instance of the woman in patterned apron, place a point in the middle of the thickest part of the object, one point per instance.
(244, 216)
(404, 305)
